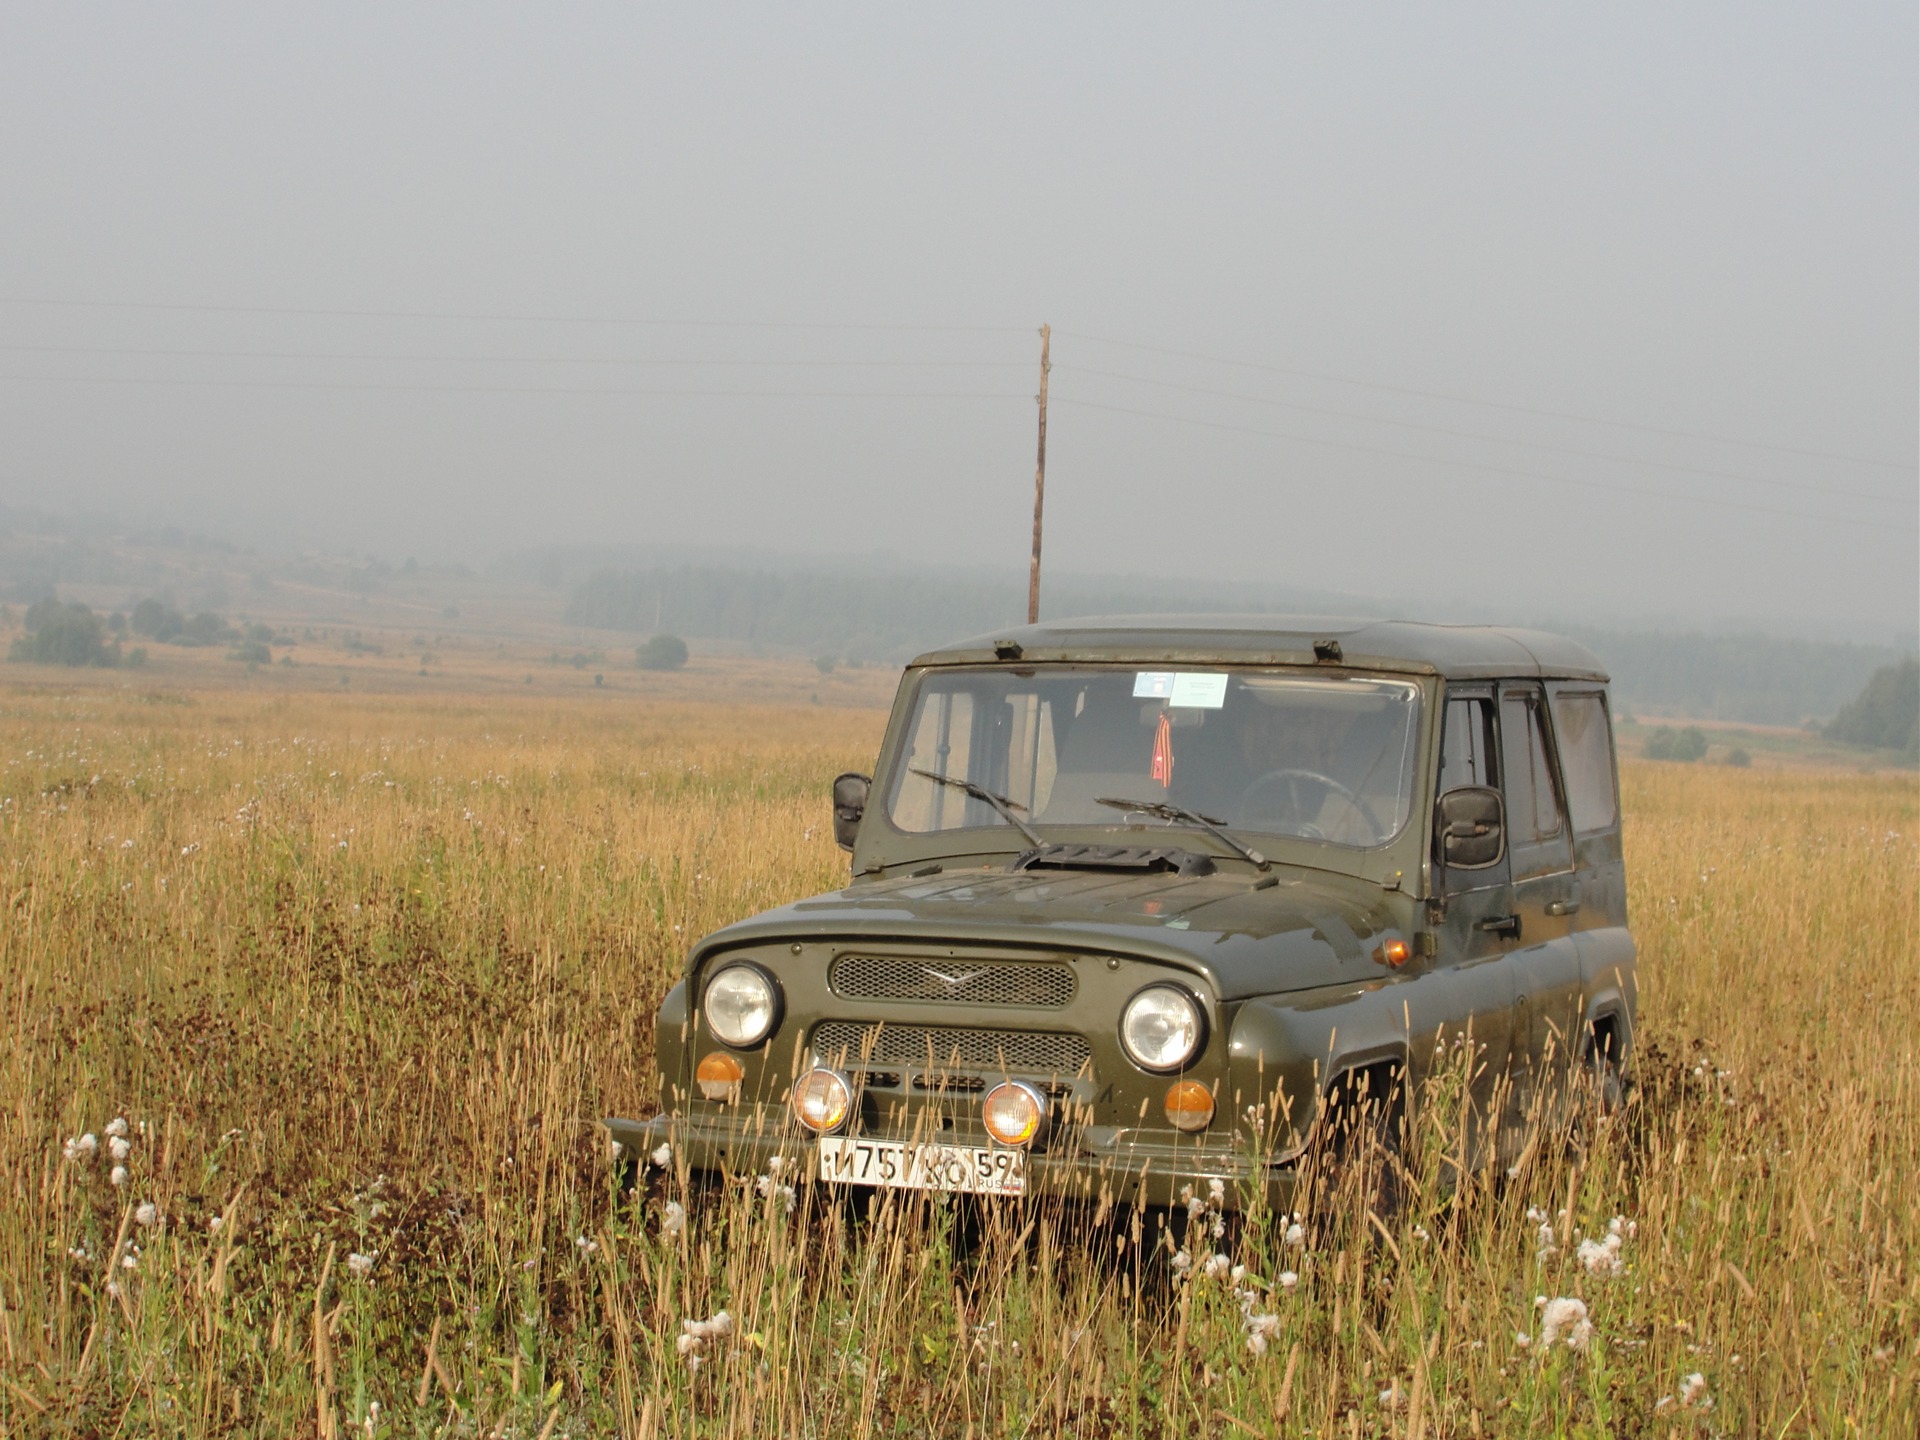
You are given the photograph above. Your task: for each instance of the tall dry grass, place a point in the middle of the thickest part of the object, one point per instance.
(362, 974)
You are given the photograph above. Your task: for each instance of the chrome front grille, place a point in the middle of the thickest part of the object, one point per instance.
(941, 1047)
(1037, 985)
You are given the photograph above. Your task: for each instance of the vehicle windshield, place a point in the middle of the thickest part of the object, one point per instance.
(1276, 752)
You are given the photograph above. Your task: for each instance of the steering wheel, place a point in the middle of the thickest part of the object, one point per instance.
(1303, 793)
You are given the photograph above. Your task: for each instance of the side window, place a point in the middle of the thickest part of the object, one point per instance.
(1533, 800)
(1586, 758)
(1467, 747)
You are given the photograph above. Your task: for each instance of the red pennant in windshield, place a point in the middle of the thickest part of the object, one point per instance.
(1163, 751)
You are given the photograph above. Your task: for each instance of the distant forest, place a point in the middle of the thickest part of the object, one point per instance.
(890, 617)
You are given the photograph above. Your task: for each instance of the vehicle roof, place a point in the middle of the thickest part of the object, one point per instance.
(1454, 651)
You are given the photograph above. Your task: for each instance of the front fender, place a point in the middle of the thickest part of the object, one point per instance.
(672, 1026)
(1287, 1051)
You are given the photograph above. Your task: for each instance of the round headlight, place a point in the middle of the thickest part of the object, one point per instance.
(742, 1005)
(1161, 1028)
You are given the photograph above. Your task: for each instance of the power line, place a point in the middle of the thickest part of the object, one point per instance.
(345, 314)
(511, 389)
(510, 359)
(1496, 439)
(1483, 469)
(1489, 404)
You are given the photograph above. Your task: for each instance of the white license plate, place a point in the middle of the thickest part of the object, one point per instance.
(962, 1169)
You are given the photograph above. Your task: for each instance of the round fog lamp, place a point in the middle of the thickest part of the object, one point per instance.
(1189, 1105)
(719, 1076)
(1014, 1112)
(821, 1100)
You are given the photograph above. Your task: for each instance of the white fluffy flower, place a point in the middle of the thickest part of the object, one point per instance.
(360, 1266)
(1257, 1344)
(585, 1245)
(696, 1334)
(1217, 1192)
(673, 1219)
(1287, 1280)
(147, 1214)
(1566, 1319)
(119, 1175)
(662, 1155)
(119, 1147)
(117, 1127)
(1296, 1235)
(1216, 1267)
(80, 1151)
(1182, 1262)
(1601, 1257)
(1693, 1391)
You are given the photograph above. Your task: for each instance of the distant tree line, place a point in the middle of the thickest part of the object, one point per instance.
(893, 616)
(58, 632)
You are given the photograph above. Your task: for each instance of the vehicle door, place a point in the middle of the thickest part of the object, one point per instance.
(1583, 743)
(1549, 1003)
(1472, 914)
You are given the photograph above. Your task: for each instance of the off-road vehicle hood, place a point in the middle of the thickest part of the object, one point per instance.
(1305, 930)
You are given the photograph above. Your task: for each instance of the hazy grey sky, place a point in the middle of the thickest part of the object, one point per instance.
(1434, 238)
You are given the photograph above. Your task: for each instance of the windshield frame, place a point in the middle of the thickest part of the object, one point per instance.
(885, 844)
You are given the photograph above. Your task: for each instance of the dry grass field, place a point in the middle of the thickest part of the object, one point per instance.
(339, 984)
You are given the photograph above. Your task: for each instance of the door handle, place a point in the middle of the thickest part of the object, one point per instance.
(1563, 907)
(1508, 925)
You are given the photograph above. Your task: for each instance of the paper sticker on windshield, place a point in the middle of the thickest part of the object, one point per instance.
(1191, 690)
(1196, 691)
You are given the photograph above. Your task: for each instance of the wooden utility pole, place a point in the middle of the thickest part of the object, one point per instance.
(1039, 481)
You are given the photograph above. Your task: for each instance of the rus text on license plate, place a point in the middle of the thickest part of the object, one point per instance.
(965, 1169)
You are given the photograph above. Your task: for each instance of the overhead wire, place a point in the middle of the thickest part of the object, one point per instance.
(1671, 433)
(519, 318)
(1911, 499)
(1070, 368)
(176, 352)
(407, 388)
(1478, 466)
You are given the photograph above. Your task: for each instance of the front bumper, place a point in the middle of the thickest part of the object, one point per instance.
(1100, 1167)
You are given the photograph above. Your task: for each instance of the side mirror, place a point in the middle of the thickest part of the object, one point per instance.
(1471, 824)
(849, 804)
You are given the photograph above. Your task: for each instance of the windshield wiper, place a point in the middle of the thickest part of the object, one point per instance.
(1000, 803)
(1161, 810)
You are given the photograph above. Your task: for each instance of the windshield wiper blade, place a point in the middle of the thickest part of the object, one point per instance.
(1000, 803)
(1161, 810)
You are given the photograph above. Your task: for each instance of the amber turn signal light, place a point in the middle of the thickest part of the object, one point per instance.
(719, 1075)
(1189, 1105)
(1392, 953)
